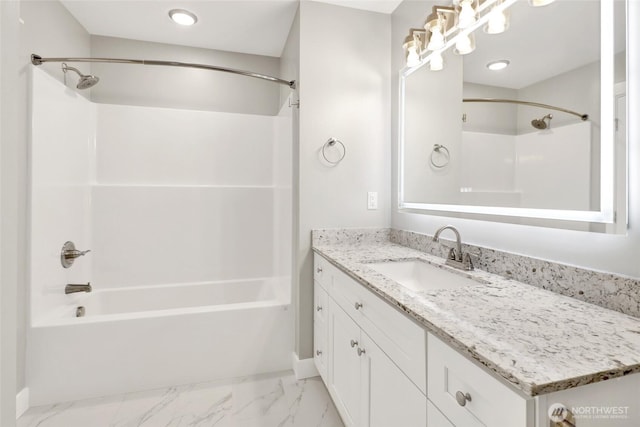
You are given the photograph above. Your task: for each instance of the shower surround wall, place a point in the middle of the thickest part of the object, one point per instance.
(162, 197)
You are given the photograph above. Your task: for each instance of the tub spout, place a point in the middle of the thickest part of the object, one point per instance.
(73, 288)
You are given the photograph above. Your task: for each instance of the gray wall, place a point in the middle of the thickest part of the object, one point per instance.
(188, 88)
(344, 93)
(611, 253)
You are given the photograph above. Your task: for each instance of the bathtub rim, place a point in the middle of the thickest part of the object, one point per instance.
(64, 315)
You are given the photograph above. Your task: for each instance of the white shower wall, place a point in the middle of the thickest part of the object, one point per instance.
(183, 196)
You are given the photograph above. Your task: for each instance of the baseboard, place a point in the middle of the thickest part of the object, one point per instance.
(22, 402)
(305, 368)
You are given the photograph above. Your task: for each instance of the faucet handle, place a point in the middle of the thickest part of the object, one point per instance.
(452, 254)
(466, 261)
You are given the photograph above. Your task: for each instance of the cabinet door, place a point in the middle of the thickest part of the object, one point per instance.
(344, 365)
(391, 399)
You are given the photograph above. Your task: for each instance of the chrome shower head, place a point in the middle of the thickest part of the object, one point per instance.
(540, 123)
(86, 80)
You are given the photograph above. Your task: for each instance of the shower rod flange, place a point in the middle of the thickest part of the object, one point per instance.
(39, 60)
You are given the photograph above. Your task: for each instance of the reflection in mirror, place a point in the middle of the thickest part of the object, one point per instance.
(539, 150)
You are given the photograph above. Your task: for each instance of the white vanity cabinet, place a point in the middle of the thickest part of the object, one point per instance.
(382, 369)
(365, 382)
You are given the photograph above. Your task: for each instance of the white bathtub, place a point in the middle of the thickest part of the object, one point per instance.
(155, 336)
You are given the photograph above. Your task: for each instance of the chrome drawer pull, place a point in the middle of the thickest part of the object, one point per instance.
(361, 351)
(318, 352)
(358, 306)
(462, 398)
(354, 343)
(319, 308)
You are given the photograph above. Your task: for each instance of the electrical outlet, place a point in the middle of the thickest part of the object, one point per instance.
(372, 200)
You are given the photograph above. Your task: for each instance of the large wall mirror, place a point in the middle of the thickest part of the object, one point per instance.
(543, 137)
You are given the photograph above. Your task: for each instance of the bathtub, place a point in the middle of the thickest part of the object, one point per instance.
(140, 338)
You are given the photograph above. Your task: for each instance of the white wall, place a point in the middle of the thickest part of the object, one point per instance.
(183, 196)
(28, 27)
(344, 93)
(189, 88)
(612, 253)
(62, 140)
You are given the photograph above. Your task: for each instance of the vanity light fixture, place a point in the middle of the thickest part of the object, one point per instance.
(436, 62)
(182, 17)
(498, 21)
(466, 14)
(465, 44)
(414, 46)
(498, 65)
(437, 25)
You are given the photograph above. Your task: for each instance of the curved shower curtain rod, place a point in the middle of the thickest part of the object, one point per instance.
(583, 117)
(38, 60)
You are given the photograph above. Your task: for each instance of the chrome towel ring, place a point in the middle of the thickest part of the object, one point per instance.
(446, 156)
(331, 142)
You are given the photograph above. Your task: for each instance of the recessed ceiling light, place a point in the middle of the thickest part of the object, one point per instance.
(498, 65)
(183, 17)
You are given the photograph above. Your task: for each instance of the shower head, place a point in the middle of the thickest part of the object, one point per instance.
(86, 80)
(540, 123)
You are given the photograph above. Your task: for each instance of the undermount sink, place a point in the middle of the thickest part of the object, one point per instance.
(419, 275)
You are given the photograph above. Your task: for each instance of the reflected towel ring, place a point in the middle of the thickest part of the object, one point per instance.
(437, 148)
(331, 142)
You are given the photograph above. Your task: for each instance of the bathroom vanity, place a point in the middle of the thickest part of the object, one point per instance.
(466, 349)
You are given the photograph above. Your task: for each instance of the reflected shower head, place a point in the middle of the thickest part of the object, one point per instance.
(86, 80)
(540, 123)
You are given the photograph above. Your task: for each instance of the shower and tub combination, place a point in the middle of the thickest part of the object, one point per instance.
(188, 275)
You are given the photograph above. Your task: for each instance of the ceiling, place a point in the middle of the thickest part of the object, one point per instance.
(258, 27)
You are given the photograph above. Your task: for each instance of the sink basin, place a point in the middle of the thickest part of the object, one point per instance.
(419, 275)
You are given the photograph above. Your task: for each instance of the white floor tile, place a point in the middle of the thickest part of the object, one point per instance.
(269, 401)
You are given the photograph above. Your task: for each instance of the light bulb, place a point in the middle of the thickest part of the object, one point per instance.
(467, 15)
(436, 63)
(497, 23)
(183, 17)
(465, 44)
(413, 58)
(538, 3)
(436, 41)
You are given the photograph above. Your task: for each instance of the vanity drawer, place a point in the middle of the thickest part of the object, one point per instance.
(398, 336)
(322, 271)
(320, 347)
(488, 402)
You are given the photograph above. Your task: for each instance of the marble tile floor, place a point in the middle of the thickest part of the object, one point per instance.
(276, 400)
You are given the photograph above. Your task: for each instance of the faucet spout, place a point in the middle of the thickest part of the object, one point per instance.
(74, 288)
(436, 238)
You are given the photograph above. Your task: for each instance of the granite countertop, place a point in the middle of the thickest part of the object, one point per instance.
(537, 340)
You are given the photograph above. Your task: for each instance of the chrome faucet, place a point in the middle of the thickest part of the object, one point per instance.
(456, 258)
(73, 288)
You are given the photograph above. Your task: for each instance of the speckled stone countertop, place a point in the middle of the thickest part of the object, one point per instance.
(537, 340)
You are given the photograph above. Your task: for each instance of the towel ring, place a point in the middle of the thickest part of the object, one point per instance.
(438, 148)
(330, 143)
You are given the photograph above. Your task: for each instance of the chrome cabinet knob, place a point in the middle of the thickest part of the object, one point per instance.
(318, 352)
(318, 308)
(319, 270)
(354, 343)
(358, 306)
(361, 351)
(462, 398)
